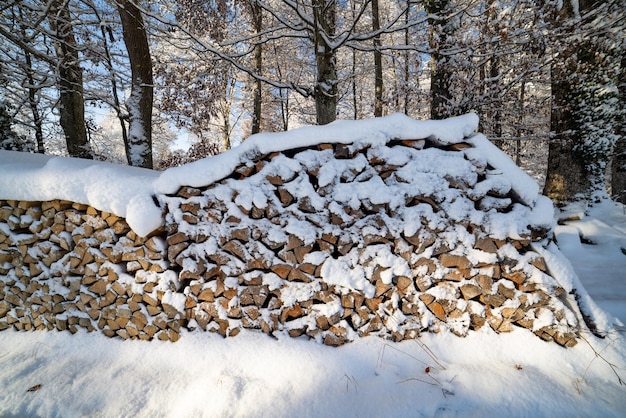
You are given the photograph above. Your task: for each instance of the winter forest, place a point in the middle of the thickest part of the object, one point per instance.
(161, 83)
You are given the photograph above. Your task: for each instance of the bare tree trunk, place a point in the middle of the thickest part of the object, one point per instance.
(520, 123)
(324, 14)
(583, 115)
(440, 73)
(283, 94)
(32, 102)
(257, 20)
(564, 178)
(618, 167)
(226, 106)
(71, 101)
(494, 72)
(116, 99)
(140, 102)
(284, 108)
(481, 88)
(618, 172)
(225, 128)
(355, 103)
(378, 63)
(396, 85)
(406, 60)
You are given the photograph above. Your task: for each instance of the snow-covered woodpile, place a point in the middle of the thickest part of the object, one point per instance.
(331, 241)
(336, 241)
(67, 266)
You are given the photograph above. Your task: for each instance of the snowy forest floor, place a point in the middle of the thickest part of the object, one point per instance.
(438, 375)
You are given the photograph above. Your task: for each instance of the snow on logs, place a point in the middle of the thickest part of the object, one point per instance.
(337, 241)
(67, 266)
(331, 241)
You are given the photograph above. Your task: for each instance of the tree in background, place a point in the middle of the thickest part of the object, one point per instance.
(442, 28)
(192, 88)
(618, 166)
(378, 62)
(107, 59)
(33, 81)
(139, 104)
(256, 14)
(19, 75)
(325, 91)
(317, 36)
(63, 55)
(70, 80)
(585, 107)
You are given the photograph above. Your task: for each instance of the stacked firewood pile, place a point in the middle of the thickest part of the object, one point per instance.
(67, 266)
(331, 241)
(339, 241)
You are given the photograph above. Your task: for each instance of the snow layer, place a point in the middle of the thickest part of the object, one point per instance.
(131, 192)
(371, 131)
(122, 190)
(253, 375)
(128, 192)
(484, 151)
(601, 261)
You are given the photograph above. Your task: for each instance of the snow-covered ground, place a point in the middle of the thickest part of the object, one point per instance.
(599, 257)
(253, 375)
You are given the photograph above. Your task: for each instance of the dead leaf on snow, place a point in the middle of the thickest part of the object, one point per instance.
(34, 388)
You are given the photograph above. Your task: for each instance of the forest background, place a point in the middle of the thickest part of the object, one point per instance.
(124, 80)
